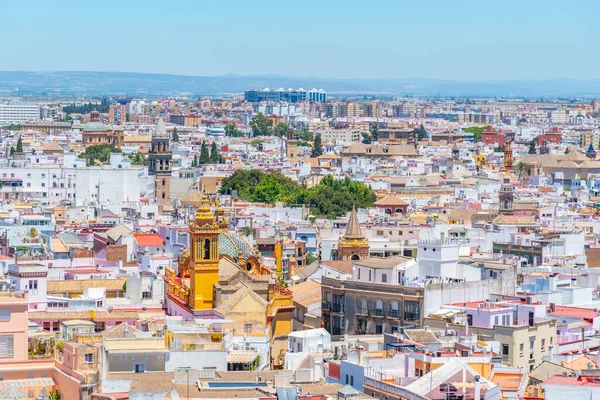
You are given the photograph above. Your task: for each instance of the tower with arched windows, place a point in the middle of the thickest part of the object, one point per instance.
(204, 251)
(159, 163)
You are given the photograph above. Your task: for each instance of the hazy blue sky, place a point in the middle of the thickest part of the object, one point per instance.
(447, 39)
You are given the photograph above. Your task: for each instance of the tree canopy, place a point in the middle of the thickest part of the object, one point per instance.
(330, 197)
(19, 145)
(204, 154)
(98, 153)
(420, 133)
(261, 125)
(85, 108)
(280, 129)
(476, 131)
(175, 136)
(215, 156)
(532, 147)
(138, 159)
(231, 130)
(317, 149)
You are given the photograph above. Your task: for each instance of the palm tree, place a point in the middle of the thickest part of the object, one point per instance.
(520, 167)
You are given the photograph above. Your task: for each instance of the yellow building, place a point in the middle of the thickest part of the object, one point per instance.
(222, 276)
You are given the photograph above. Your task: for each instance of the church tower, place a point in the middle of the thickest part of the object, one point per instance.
(591, 153)
(508, 156)
(204, 251)
(159, 163)
(291, 144)
(353, 245)
(506, 197)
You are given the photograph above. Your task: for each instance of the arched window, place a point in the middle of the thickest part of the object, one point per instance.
(346, 379)
(379, 305)
(206, 249)
(355, 257)
(352, 380)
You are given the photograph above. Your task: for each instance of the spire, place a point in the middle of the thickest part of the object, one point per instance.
(161, 129)
(353, 231)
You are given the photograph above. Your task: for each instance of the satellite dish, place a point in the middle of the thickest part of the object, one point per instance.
(174, 395)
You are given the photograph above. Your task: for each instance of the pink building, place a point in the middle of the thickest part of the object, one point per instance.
(32, 376)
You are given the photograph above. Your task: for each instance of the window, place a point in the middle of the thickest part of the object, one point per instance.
(89, 358)
(358, 272)
(521, 350)
(4, 315)
(543, 344)
(247, 328)
(346, 379)
(146, 295)
(504, 349)
(351, 380)
(7, 346)
(378, 329)
(369, 275)
(496, 320)
(141, 367)
(384, 278)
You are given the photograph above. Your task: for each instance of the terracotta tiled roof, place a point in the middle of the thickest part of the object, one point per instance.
(306, 293)
(148, 239)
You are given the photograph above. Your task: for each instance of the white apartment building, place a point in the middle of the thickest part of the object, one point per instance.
(14, 113)
(115, 183)
(340, 137)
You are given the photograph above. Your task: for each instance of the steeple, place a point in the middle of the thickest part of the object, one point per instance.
(353, 245)
(161, 129)
(455, 152)
(353, 231)
(591, 153)
(506, 197)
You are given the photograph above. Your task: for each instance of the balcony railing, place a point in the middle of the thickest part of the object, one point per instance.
(411, 316)
(395, 314)
(337, 307)
(362, 311)
(337, 331)
(326, 306)
(377, 313)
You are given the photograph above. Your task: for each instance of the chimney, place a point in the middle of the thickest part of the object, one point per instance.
(477, 390)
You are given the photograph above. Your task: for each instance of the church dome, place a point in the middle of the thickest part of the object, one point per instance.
(95, 126)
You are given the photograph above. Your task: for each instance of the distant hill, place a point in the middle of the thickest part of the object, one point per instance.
(137, 84)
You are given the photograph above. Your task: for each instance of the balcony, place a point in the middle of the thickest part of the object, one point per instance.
(338, 308)
(337, 331)
(362, 311)
(411, 316)
(377, 313)
(326, 306)
(393, 314)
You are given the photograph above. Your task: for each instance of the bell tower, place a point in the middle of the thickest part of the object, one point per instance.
(508, 156)
(353, 245)
(506, 197)
(159, 163)
(204, 251)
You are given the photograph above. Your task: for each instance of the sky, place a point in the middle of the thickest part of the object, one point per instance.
(430, 39)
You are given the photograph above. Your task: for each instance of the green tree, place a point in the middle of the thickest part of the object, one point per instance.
(204, 155)
(19, 145)
(12, 151)
(261, 125)
(330, 197)
(567, 150)
(420, 132)
(98, 153)
(138, 159)
(520, 167)
(215, 156)
(310, 258)
(532, 147)
(195, 161)
(476, 131)
(175, 136)
(305, 135)
(499, 149)
(366, 137)
(280, 129)
(374, 130)
(55, 395)
(231, 130)
(317, 149)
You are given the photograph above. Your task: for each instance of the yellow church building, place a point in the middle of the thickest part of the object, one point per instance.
(221, 276)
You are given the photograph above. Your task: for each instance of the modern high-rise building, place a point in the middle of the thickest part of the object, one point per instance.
(290, 95)
(117, 114)
(17, 112)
